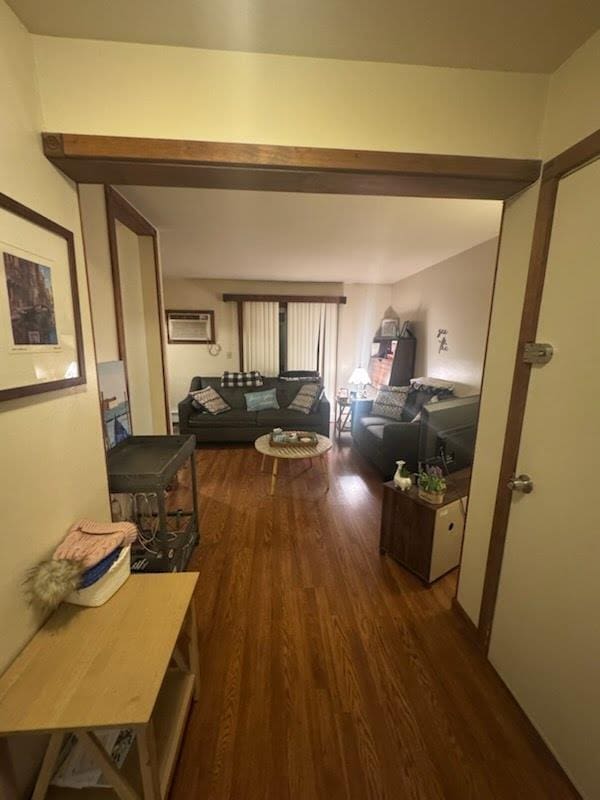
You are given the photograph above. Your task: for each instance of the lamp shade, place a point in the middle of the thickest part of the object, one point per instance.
(359, 376)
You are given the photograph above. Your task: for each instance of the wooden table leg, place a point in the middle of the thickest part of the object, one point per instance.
(48, 764)
(146, 744)
(117, 780)
(193, 651)
(274, 475)
(262, 463)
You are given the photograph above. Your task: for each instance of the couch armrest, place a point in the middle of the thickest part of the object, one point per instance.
(401, 441)
(360, 408)
(185, 408)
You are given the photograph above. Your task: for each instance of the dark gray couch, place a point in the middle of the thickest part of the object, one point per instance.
(239, 425)
(382, 440)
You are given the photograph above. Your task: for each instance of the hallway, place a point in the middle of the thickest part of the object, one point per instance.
(329, 672)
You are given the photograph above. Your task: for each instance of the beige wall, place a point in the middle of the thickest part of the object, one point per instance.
(513, 263)
(368, 304)
(186, 360)
(115, 88)
(573, 111)
(95, 235)
(573, 107)
(51, 441)
(454, 295)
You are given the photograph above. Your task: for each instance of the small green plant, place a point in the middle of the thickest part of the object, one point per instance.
(431, 479)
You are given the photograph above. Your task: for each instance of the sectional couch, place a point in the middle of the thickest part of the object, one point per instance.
(240, 425)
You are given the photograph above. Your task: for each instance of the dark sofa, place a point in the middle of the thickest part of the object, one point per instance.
(239, 425)
(384, 441)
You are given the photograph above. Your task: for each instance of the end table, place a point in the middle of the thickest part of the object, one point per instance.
(343, 415)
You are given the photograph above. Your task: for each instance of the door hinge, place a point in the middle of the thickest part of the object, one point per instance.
(537, 353)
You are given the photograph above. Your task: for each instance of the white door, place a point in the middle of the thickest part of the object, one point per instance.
(546, 631)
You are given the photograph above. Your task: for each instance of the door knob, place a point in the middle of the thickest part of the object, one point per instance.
(521, 483)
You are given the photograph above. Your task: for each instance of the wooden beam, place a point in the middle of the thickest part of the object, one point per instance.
(284, 298)
(172, 162)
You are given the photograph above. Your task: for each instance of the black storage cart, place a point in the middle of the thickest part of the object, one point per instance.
(145, 466)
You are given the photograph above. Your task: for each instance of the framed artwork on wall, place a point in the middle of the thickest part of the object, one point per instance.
(190, 327)
(41, 344)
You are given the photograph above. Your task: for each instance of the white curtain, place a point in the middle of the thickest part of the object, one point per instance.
(312, 333)
(261, 337)
(328, 349)
(303, 330)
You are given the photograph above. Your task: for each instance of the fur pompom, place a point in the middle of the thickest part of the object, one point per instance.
(51, 581)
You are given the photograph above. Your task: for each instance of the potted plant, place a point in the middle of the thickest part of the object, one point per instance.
(431, 485)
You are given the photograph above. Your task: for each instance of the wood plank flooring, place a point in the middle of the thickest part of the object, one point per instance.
(329, 672)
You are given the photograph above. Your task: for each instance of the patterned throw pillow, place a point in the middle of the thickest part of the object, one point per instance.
(390, 401)
(261, 401)
(230, 379)
(209, 400)
(307, 398)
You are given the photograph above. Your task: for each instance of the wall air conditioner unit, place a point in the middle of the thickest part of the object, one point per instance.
(191, 327)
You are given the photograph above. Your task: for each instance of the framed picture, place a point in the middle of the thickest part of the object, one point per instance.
(114, 400)
(41, 345)
(190, 327)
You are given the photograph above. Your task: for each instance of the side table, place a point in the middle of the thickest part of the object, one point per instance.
(131, 663)
(425, 538)
(343, 415)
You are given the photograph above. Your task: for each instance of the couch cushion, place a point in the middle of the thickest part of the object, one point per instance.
(209, 400)
(261, 401)
(287, 418)
(375, 432)
(235, 418)
(242, 379)
(390, 401)
(307, 398)
(366, 422)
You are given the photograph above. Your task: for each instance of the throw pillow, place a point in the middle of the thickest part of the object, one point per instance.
(307, 398)
(261, 401)
(209, 400)
(253, 378)
(390, 401)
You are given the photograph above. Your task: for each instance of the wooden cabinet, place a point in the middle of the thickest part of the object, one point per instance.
(424, 538)
(403, 365)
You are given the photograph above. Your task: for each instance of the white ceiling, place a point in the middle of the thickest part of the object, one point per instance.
(222, 233)
(515, 35)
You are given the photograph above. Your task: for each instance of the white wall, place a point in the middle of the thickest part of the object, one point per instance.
(368, 304)
(116, 88)
(454, 295)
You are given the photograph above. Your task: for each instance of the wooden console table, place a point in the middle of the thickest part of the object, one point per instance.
(120, 665)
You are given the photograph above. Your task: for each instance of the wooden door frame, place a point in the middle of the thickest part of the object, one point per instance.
(118, 209)
(553, 171)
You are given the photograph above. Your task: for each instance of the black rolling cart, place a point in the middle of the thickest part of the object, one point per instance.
(144, 467)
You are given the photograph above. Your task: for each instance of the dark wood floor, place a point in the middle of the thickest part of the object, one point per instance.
(328, 671)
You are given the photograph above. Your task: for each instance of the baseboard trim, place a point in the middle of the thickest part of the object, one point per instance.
(471, 627)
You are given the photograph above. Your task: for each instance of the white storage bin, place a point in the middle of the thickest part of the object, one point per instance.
(98, 593)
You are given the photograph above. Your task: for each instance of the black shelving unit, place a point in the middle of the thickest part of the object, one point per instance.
(147, 465)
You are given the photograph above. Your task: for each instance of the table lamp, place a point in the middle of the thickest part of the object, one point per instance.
(359, 378)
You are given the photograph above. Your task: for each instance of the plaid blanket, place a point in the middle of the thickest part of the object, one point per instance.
(241, 379)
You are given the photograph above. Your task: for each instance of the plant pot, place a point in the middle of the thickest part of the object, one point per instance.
(432, 497)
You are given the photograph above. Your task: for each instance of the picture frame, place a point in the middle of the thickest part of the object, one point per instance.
(189, 326)
(41, 340)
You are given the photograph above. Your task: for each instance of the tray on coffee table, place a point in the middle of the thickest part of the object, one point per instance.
(302, 439)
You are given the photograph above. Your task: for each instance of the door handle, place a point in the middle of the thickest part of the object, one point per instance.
(521, 483)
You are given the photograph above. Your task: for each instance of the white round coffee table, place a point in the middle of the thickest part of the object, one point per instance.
(263, 445)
